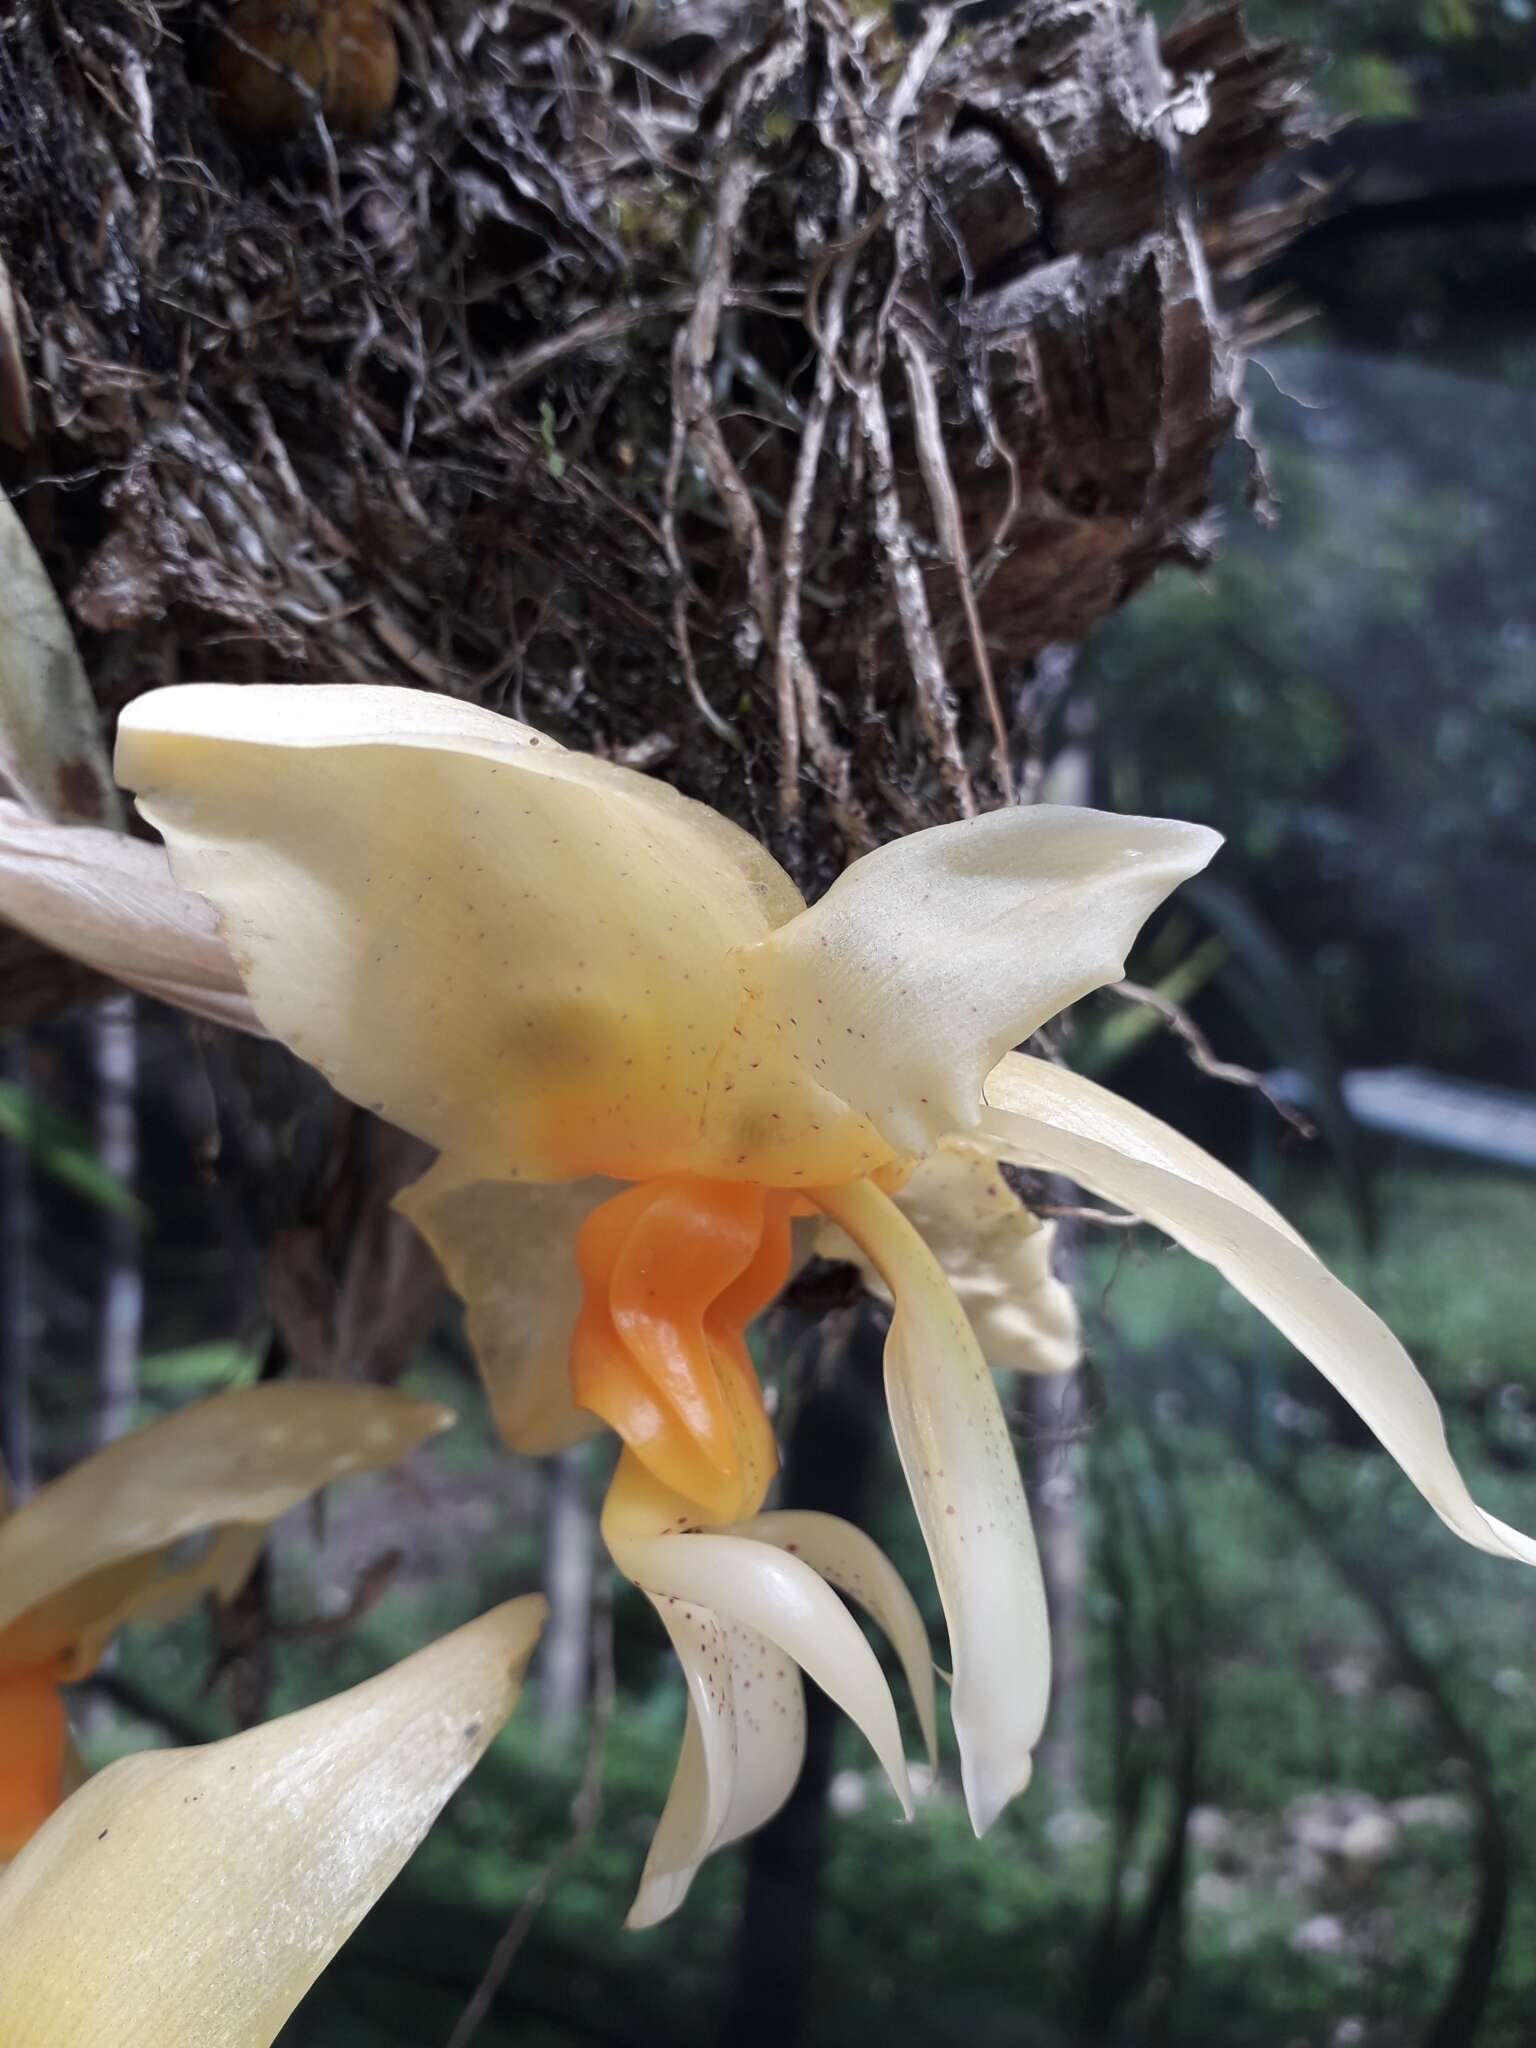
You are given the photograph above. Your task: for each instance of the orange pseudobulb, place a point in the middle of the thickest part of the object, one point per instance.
(673, 1270)
(33, 1741)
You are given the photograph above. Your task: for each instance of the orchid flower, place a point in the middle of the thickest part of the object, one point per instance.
(194, 1895)
(99, 1547)
(641, 1056)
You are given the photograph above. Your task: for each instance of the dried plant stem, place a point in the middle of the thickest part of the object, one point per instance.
(1185, 1028)
(936, 704)
(799, 687)
(944, 502)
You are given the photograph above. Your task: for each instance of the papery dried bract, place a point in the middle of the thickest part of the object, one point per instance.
(50, 742)
(109, 901)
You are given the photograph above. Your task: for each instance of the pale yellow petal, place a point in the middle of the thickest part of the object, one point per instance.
(244, 1457)
(735, 1580)
(73, 1626)
(518, 953)
(930, 957)
(854, 1563)
(191, 1897)
(221, 1571)
(1045, 1118)
(110, 902)
(682, 1836)
(738, 1780)
(744, 1737)
(508, 1247)
(705, 1779)
(995, 1255)
(964, 1480)
(780, 1598)
(1076, 1106)
(770, 1731)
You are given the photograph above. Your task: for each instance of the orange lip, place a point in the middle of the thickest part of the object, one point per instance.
(673, 1271)
(33, 1739)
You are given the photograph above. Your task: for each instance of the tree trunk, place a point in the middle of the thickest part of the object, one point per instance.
(1049, 1406)
(570, 1556)
(115, 1057)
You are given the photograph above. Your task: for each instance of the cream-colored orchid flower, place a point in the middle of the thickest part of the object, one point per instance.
(97, 1548)
(188, 1898)
(995, 1253)
(561, 972)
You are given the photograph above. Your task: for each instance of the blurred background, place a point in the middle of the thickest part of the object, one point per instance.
(1289, 1787)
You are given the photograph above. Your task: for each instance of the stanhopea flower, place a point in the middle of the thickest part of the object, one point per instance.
(641, 1057)
(103, 1546)
(192, 1896)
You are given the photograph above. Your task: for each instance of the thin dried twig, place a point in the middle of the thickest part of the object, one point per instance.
(1186, 1029)
(586, 1812)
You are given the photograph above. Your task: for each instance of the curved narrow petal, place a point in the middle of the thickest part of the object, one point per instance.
(1061, 1123)
(1075, 1106)
(764, 1726)
(244, 1457)
(995, 1254)
(770, 1731)
(853, 1562)
(519, 953)
(779, 1597)
(193, 1896)
(682, 1837)
(70, 1628)
(509, 1249)
(109, 901)
(755, 1587)
(927, 959)
(965, 1485)
(701, 1796)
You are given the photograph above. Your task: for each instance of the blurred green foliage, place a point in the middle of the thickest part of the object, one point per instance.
(1351, 697)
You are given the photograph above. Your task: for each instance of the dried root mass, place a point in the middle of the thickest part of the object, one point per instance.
(750, 392)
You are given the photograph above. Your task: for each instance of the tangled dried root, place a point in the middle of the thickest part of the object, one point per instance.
(751, 392)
